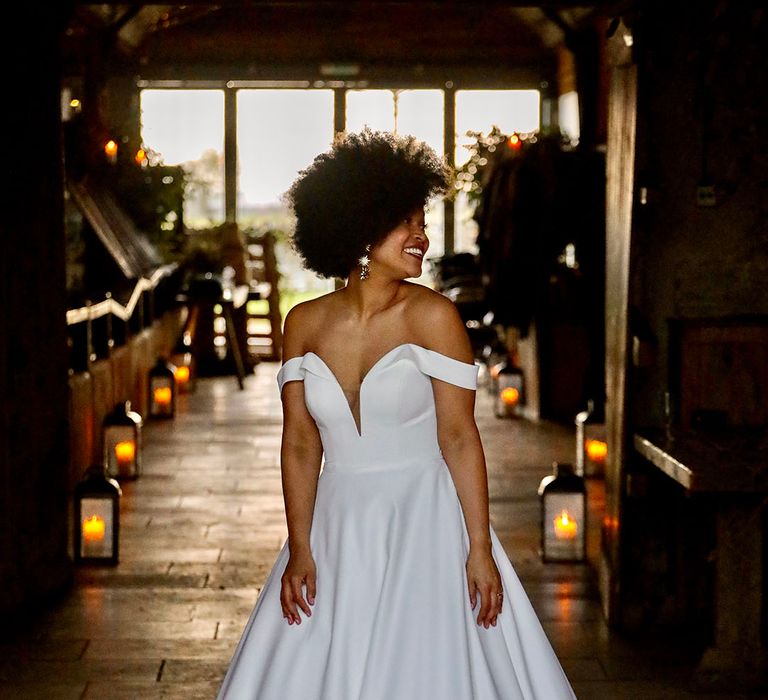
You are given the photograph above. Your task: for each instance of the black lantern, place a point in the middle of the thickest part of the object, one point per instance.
(121, 433)
(162, 390)
(591, 442)
(97, 518)
(508, 388)
(563, 515)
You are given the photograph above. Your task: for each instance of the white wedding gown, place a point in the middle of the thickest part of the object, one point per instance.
(392, 618)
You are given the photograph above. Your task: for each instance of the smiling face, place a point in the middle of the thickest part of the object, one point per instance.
(404, 248)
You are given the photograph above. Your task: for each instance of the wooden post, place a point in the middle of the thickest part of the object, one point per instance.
(34, 392)
(620, 167)
(449, 147)
(737, 660)
(339, 126)
(339, 110)
(230, 155)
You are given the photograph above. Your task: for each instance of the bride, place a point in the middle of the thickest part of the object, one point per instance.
(392, 584)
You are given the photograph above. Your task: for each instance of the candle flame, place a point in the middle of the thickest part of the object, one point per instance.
(510, 396)
(596, 450)
(163, 395)
(565, 526)
(94, 529)
(125, 452)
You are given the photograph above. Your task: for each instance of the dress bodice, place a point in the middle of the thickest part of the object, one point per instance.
(397, 407)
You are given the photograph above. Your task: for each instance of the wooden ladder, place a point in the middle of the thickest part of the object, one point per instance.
(264, 324)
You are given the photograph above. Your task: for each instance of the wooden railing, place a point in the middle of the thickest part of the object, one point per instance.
(110, 306)
(96, 329)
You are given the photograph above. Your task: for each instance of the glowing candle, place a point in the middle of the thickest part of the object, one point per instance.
(510, 395)
(596, 450)
(125, 452)
(182, 374)
(162, 396)
(94, 529)
(565, 526)
(110, 150)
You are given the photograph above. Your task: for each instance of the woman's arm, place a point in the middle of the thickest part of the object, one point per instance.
(301, 453)
(462, 449)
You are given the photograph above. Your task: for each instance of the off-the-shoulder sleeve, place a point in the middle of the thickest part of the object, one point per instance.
(435, 364)
(291, 370)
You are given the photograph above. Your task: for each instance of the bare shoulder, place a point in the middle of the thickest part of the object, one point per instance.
(437, 323)
(302, 321)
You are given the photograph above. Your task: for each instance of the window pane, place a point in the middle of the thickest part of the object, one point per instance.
(373, 108)
(186, 127)
(481, 110)
(279, 132)
(420, 113)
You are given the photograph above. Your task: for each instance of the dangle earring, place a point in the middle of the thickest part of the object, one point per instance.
(365, 262)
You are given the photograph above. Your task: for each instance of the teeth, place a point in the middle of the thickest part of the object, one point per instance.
(415, 251)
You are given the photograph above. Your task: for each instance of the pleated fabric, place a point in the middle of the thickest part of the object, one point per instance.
(392, 619)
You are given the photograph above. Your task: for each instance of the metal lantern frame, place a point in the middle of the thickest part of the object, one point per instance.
(97, 500)
(563, 492)
(589, 427)
(122, 422)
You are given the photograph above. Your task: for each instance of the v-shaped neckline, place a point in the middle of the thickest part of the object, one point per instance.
(358, 431)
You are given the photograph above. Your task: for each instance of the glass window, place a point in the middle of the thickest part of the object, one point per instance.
(186, 127)
(279, 132)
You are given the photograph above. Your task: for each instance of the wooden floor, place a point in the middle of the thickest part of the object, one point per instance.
(200, 532)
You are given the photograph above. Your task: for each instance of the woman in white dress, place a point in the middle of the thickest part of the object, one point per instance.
(392, 585)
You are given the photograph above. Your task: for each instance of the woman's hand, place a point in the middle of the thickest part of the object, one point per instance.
(483, 578)
(299, 570)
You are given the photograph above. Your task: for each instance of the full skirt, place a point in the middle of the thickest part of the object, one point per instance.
(392, 617)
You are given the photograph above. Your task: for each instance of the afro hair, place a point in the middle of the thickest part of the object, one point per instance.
(356, 193)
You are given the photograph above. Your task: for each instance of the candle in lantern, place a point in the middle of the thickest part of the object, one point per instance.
(94, 529)
(182, 374)
(110, 150)
(565, 526)
(510, 395)
(596, 450)
(162, 395)
(125, 452)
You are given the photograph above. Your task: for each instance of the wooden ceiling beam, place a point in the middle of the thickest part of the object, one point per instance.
(437, 4)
